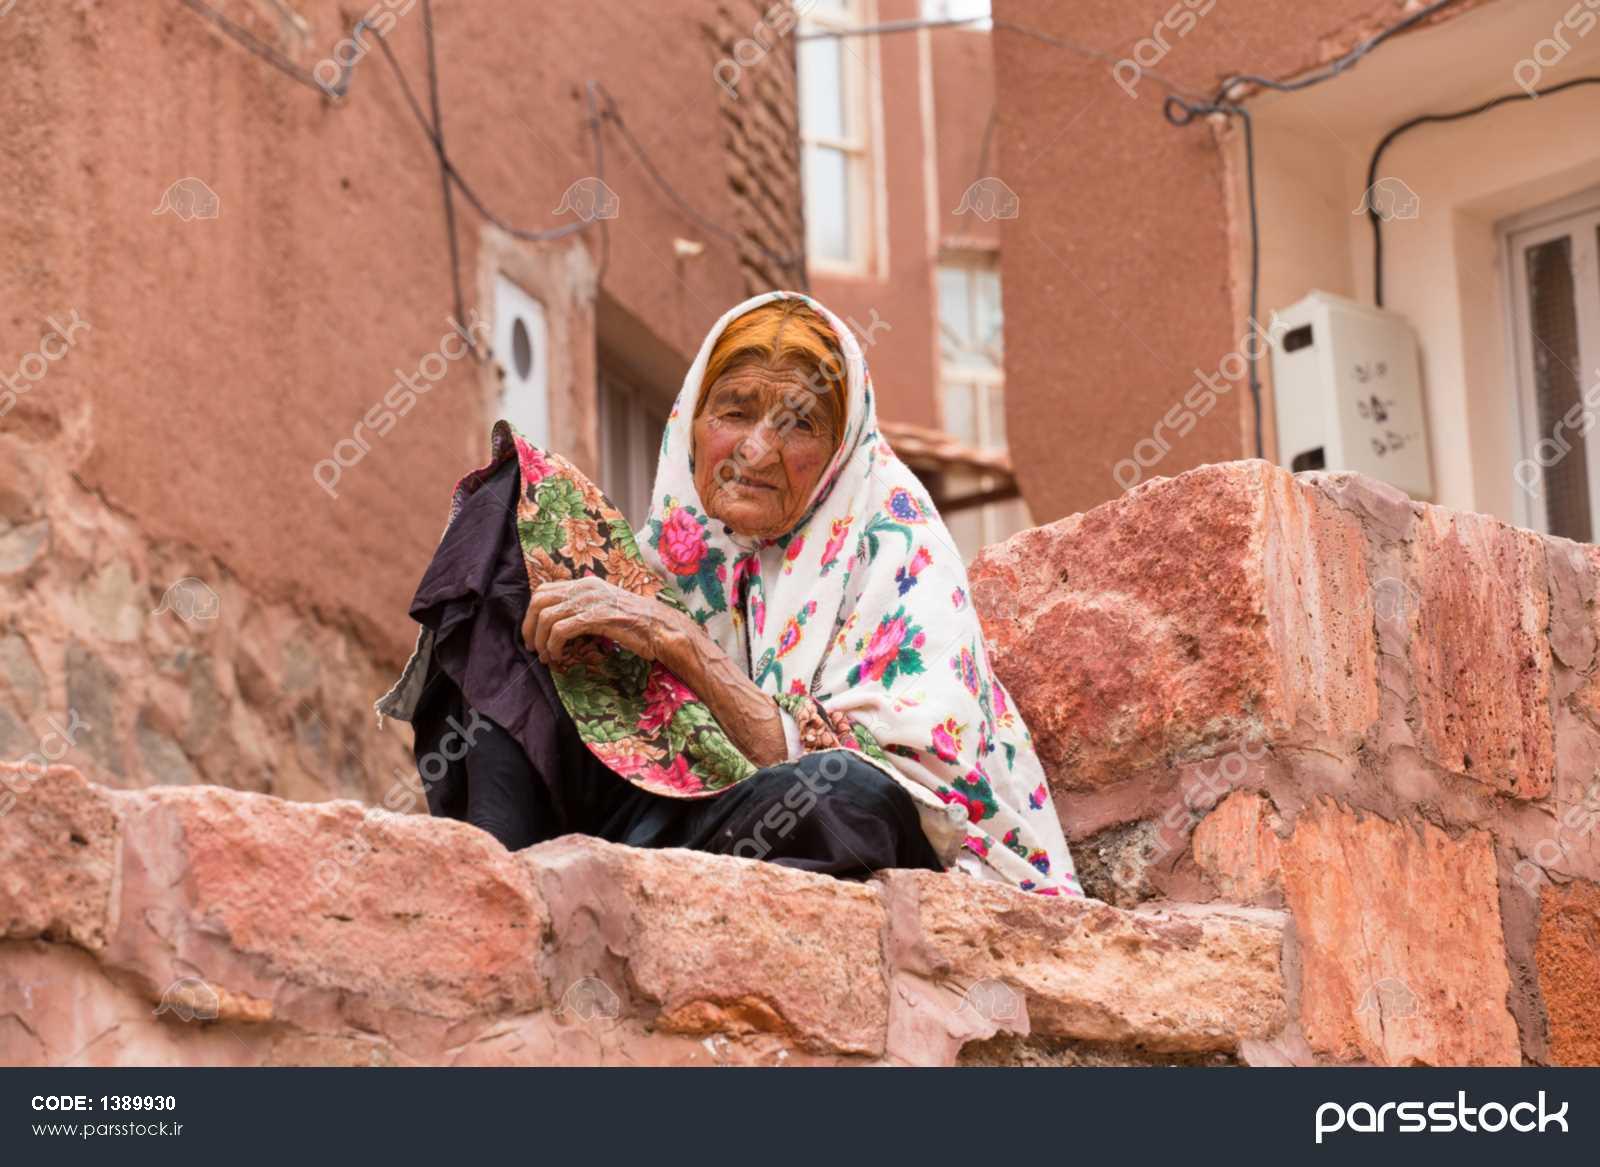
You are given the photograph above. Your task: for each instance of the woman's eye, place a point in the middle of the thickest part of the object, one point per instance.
(804, 426)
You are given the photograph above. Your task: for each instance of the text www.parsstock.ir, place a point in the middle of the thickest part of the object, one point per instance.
(127, 1115)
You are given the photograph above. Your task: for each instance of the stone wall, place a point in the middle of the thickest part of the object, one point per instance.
(1314, 694)
(1327, 758)
(198, 925)
(146, 661)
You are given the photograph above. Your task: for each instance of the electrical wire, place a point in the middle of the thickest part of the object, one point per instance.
(444, 183)
(1180, 111)
(789, 263)
(1338, 66)
(272, 56)
(793, 265)
(1427, 119)
(459, 179)
(896, 26)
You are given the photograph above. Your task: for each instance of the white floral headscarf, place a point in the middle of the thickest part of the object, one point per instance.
(858, 622)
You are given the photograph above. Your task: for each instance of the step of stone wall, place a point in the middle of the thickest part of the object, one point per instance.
(200, 925)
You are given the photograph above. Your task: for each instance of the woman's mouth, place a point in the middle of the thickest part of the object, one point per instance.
(753, 484)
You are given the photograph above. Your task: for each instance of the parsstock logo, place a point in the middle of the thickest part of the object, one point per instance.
(1439, 1117)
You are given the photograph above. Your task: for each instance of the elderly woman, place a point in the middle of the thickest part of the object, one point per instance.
(785, 666)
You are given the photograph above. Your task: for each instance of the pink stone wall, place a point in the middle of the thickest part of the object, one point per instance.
(1314, 694)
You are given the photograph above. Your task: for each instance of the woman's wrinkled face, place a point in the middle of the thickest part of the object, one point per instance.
(761, 444)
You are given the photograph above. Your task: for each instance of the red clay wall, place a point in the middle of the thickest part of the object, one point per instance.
(228, 355)
(171, 576)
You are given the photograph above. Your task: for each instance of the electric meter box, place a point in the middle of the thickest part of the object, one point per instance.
(1347, 388)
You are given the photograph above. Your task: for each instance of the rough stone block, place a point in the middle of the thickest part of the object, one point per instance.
(1480, 657)
(58, 855)
(1227, 604)
(1567, 955)
(1403, 957)
(1185, 978)
(714, 944)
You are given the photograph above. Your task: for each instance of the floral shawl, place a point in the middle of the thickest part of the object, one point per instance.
(859, 624)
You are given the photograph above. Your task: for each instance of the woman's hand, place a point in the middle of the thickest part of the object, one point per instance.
(561, 611)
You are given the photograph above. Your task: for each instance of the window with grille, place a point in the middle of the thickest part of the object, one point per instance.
(1555, 271)
(972, 394)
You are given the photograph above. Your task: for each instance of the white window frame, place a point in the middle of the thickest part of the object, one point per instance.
(862, 150)
(1578, 217)
(985, 383)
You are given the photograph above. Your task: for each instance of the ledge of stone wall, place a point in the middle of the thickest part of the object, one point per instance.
(206, 926)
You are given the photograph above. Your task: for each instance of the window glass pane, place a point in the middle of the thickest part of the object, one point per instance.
(827, 175)
(822, 103)
(990, 334)
(1553, 319)
(953, 9)
(995, 437)
(960, 412)
(955, 312)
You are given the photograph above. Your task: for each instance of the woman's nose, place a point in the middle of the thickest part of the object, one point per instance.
(761, 447)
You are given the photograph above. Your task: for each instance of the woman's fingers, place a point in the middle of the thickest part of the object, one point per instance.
(562, 630)
(560, 612)
(544, 620)
(547, 596)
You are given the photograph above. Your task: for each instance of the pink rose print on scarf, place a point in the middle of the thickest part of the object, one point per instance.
(664, 695)
(958, 598)
(680, 540)
(835, 544)
(947, 740)
(676, 776)
(792, 553)
(683, 542)
(906, 577)
(534, 468)
(974, 793)
(1038, 798)
(892, 651)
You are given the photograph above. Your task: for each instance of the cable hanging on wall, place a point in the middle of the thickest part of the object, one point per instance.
(1182, 112)
(1429, 119)
(451, 176)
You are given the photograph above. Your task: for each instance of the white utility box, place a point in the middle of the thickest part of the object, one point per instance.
(1348, 392)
